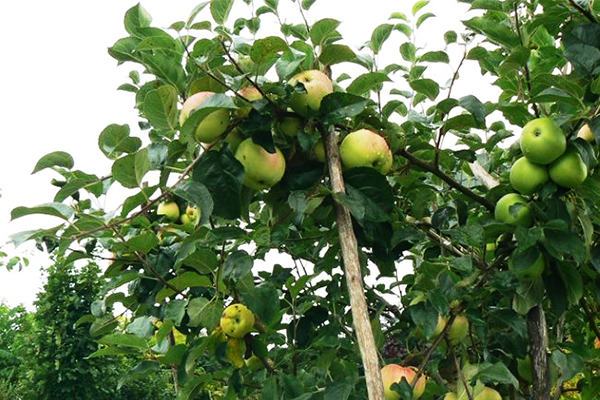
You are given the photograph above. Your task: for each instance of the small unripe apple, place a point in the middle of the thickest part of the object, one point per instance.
(290, 125)
(365, 148)
(319, 151)
(451, 396)
(568, 170)
(459, 330)
(542, 141)
(262, 169)
(393, 373)
(237, 320)
(502, 212)
(169, 209)
(212, 126)
(527, 177)
(317, 85)
(191, 216)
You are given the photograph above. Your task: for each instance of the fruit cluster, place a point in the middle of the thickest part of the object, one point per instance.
(264, 169)
(545, 157)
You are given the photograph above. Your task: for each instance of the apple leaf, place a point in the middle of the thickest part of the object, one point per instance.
(367, 82)
(114, 140)
(123, 339)
(130, 169)
(379, 36)
(336, 107)
(141, 327)
(54, 159)
(181, 282)
(141, 370)
(495, 32)
(222, 174)
(204, 312)
(572, 281)
(203, 260)
(338, 53)
(237, 266)
(144, 242)
(495, 373)
(427, 87)
(137, 200)
(264, 302)
(323, 32)
(267, 49)
(435, 56)
(136, 17)
(160, 107)
(54, 209)
(220, 10)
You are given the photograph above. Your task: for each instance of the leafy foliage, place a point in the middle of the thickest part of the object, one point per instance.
(434, 210)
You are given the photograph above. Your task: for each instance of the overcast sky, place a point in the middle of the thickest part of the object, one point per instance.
(59, 89)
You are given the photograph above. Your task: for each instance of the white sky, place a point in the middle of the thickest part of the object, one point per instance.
(59, 89)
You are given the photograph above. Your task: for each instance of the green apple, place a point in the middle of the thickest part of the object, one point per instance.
(290, 125)
(365, 148)
(439, 327)
(233, 139)
(237, 320)
(568, 170)
(191, 216)
(254, 363)
(527, 177)
(459, 330)
(505, 212)
(531, 273)
(263, 169)
(250, 93)
(316, 84)
(488, 394)
(450, 396)
(169, 209)
(542, 141)
(586, 133)
(524, 368)
(212, 126)
(318, 152)
(393, 373)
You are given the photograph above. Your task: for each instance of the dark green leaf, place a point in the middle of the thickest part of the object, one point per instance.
(428, 87)
(324, 31)
(197, 194)
(54, 209)
(114, 140)
(379, 36)
(435, 56)
(54, 159)
(203, 312)
(337, 53)
(268, 48)
(160, 107)
(336, 107)
(367, 82)
(136, 17)
(408, 51)
(131, 169)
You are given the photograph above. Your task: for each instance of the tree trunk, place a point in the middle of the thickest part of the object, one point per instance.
(538, 342)
(354, 279)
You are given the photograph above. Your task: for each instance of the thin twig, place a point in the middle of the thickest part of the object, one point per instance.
(525, 67)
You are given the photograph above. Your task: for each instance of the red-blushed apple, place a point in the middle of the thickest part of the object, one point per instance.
(393, 373)
(488, 394)
(262, 169)
(526, 176)
(250, 93)
(542, 141)
(521, 217)
(586, 133)
(169, 209)
(237, 320)
(568, 170)
(365, 148)
(459, 330)
(316, 84)
(212, 126)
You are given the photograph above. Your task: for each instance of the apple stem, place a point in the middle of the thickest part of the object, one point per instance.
(354, 279)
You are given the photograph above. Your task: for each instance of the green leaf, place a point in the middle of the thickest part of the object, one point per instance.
(337, 53)
(114, 140)
(336, 107)
(181, 282)
(379, 36)
(141, 327)
(435, 56)
(131, 169)
(237, 267)
(140, 371)
(324, 32)
(495, 5)
(197, 194)
(123, 339)
(418, 6)
(427, 87)
(160, 107)
(203, 312)
(477, 109)
(220, 10)
(54, 159)
(54, 209)
(264, 302)
(195, 13)
(136, 17)
(306, 4)
(144, 242)
(222, 174)
(496, 373)
(267, 49)
(423, 18)
(203, 260)
(408, 51)
(367, 82)
(494, 31)
(566, 242)
(572, 280)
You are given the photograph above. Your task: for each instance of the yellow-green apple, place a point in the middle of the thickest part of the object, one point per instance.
(233, 139)
(506, 210)
(542, 141)
(212, 126)
(586, 133)
(568, 170)
(459, 330)
(254, 363)
(365, 148)
(532, 272)
(169, 209)
(527, 177)
(262, 169)
(237, 320)
(488, 394)
(318, 152)
(250, 93)
(393, 373)
(439, 327)
(316, 84)
(450, 396)
(191, 216)
(290, 125)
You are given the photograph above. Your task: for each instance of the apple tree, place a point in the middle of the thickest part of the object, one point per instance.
(501, 299)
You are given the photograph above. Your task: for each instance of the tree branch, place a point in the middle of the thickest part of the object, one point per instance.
(538, 341)
(585, 12)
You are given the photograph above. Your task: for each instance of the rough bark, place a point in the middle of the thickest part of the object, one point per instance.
(354, 279)
(538, 342)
